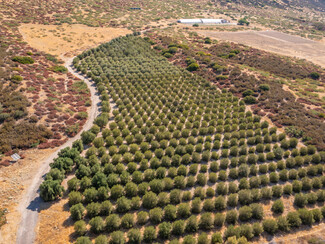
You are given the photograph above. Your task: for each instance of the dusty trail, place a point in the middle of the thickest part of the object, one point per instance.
(30, 204)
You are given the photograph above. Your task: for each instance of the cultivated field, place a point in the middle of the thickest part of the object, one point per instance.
(277, 42)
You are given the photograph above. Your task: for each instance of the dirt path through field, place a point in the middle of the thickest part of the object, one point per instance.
(31, 202)
(277, 42)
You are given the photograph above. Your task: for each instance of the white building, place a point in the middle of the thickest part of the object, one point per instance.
(203, 21)
(190, 21)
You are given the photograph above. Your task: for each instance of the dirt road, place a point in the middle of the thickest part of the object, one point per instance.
(277, 42)
(30, 204)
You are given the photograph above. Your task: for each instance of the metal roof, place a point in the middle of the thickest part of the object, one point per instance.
(202, 21)
(211, 20)
(15, 157)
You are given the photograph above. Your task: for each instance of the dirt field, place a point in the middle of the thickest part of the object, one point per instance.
(14, 180)
(67, 39)
(277, 42)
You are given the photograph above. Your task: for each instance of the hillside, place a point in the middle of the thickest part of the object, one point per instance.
(135, 128)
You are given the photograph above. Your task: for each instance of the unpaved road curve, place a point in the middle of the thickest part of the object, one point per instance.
(30, 204)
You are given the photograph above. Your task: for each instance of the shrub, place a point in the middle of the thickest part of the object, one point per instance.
(170, 212)
(300, 200)
(232, 200)
(244, 197)
(219, 219)
(149, 234)
(245, 213)
(231, 217)
(216, 238)
(23, 60)
(96, 225)
(156, 215)
(306, 216)
(101, 239)
(283, 224)
(164, 230)
(117, 237)
(191, 224)
(80, 227)
(83, 240)
(249, 100)
(74, 198)
(113, 222)
(59, 69)
(123, 205)
(127, 221)
(183, 210)
(193, 66)
(270, 226)
(277, 207)
(77, 211)
(314, 75)
(203, 239)
(93, 209)
(134, 236)
(206, 221)
(51, 190)
(246, 231)
(257, 211)
(142, 217)
(149, 200)
(317, 214)
(220, 203)
(178, 227)
(257, 229)
(293, 219)
(189, 239)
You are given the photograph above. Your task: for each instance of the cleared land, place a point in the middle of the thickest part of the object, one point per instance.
(277, 42)
(67, 39)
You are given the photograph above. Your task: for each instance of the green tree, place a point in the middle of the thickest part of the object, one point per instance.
(117, 237)
(164, 230)
(96, 225)
(270, 226)
(149, 234)
(80, 227)
(277, 207)
(51, 190)
(134, 236)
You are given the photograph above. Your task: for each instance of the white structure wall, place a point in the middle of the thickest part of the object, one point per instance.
(203, 21)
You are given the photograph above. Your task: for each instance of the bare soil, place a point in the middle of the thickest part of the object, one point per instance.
(276, 42)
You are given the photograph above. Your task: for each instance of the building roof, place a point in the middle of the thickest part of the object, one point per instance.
(15, 157)
(202, 21)
(211, 20)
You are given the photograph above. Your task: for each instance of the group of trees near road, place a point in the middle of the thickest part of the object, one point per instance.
(175, 157)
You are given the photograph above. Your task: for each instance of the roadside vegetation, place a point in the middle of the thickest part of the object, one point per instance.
(179, 159)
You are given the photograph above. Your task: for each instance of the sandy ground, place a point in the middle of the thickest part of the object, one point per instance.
(67, 39)
(55, 225)
(14, 180)
(276, 42)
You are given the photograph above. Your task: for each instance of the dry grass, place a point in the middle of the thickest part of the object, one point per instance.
(14, 180)
(54, 225)
(67, 39)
